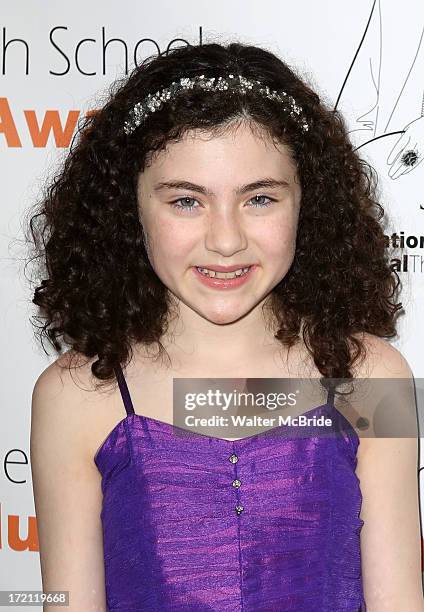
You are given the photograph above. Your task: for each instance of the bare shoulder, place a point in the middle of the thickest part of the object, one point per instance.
(66, 398)
(382, 359)
(384, 396)
(66, 374)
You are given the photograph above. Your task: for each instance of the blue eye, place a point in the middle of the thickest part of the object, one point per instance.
(176, 204)
(257, 205)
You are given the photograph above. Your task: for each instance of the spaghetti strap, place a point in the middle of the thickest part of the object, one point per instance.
(330, 396)
(123, 387)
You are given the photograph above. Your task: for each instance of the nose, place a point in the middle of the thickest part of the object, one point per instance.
(225, 232)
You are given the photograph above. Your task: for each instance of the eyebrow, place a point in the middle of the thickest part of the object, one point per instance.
(268, 183)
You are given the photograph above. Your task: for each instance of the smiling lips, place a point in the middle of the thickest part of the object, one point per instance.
(226, 280)
(225, 268)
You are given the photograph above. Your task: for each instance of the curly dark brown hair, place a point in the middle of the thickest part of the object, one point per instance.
(96, 287)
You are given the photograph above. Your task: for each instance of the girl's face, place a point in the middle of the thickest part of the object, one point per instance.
(215, 201)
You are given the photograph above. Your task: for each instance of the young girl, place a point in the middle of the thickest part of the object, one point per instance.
(209, 159)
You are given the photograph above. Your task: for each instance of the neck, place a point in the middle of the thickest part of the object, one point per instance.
(195, 344)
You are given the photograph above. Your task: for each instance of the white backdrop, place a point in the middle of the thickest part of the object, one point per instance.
(365, 57)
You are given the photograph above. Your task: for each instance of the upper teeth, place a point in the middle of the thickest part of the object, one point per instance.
(213, 273)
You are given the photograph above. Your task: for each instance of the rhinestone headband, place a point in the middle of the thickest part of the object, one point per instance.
(154, 102)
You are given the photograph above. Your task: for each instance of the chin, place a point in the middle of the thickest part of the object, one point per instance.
(222, 318)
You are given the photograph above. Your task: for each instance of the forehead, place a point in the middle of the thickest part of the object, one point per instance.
(232, 150)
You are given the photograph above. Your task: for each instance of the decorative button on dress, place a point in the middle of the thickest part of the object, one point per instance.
(195, 523)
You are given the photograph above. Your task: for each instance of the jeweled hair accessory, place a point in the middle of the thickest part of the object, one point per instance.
(154, 102)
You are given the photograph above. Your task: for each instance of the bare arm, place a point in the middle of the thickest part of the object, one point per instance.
(67, 494)
(391, 534)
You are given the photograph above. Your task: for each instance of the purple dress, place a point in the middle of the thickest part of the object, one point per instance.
(197, 523)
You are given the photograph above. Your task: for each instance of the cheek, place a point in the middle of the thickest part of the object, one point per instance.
(171, 241)
(278, 239)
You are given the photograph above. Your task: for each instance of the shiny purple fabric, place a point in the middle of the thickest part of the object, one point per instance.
(173, 540)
